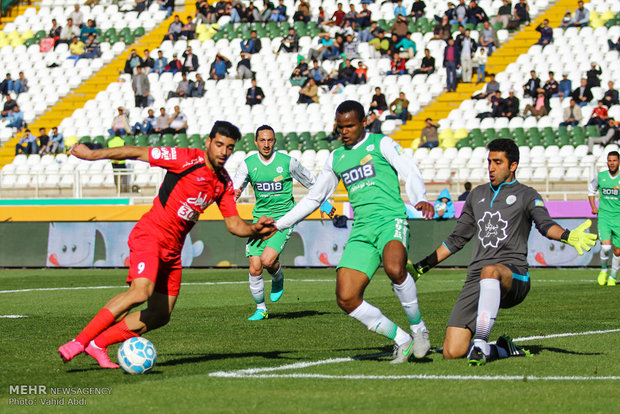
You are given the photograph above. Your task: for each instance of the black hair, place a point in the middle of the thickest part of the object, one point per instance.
(506, 145)
(467, 186)
(225, 128)
(614, 153)
(264, 128)
(351, 106)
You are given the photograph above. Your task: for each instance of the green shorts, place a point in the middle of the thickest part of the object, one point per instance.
(364, 249)
(276, 242)
(609, 229)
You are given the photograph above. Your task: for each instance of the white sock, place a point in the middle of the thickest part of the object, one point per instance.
(257, 289)
(407, 293)
(375, 321)
(605, 250)
(615, 264)
(488, 306)
(277, 276)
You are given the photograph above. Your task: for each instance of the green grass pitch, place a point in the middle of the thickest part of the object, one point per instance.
(211, 359)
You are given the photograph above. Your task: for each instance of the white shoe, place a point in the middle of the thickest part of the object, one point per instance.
(421, 343)
(403, 352)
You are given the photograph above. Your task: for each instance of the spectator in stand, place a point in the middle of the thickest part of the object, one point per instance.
(303, 12)
(237, 12)
(252, 45)
(43, 141)
(566, 20)
(350, 17)
(511, 105)
(244, 67)
(309, 93)
(581, 17)
(160, 63)
(451, 61)
(399, 108)
(460, 14)
(397, 65)
(531, 87)
(219, 67)
(88, 29)
(449, 13)
(488, 38)
(480, 60)
(566, 87)
(174, 65)
(546, 33)
(140, 6)
(476, 14)
(337, 18)
(57, 142)
(346, 74)
(15, 118)
(593, 76)
(380, 44)
(551, 88)
(350, 47)
(614, 46)
(55, 31)
(428, 137)
(442, 30)
(399, 9)
(141, 88)
(148, 63)
(504, 14)
(611, 95)
(522, 12)
(497, 104)
(167, 5)
(120, 124)
(175, 29)
(197, 87)
(393, 42)
(68, 32)
(21, 84)
(463, 196)
(278, 14)
(609, 134)
(467, 46)
(188, 31)
(205, 14)
(363, 19)
(190, 61)
(296, 78)
(290, 43)
(7, 86)
(27, 144)
(539, 109)
(325, 41)
(428, 64)
(490, 88)
(147, 126)
(317, 73)
(255, 95)
(161, 122)
(77, 16)
(182, 88)
(378, 102)
(177, 123)
(91, 47)
(76, 48)
(572, 115)
(406, 47)
(369, 33)
(599, 115)
(373, 123)
(320, 19)
(417, 9)
(132, 62)
(9, 104)
(361, 74)
(582, 95)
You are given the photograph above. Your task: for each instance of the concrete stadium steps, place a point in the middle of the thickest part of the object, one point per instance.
(17, 10)
(98, 82)
(519, 44)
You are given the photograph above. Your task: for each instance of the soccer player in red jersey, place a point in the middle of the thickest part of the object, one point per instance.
(194, 180)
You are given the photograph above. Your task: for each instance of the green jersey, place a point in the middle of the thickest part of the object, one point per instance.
(609, 198)
(272, 181)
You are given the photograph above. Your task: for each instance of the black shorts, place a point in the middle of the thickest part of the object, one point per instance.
(466, 307)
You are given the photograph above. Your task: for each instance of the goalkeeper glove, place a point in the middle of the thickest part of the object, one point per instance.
(423, 266)
(579, 239)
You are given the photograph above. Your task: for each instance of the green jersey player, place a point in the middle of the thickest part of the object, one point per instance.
(369, 166)
(607, 183)
(271, 175)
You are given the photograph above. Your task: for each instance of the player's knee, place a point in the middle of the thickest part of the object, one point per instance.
(268, 262)
(490, 272)
(139, 295)
(395, 272)
(348, 303)
(154, 319)
(453, 351)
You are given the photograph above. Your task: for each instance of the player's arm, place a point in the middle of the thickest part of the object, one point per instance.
(241, 179)
(592, 190)
(119, 153)
(406, 167)
(324, 187)
(262, 229)
(301, 174)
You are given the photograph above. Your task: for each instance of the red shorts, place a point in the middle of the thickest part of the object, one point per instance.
(160, 265)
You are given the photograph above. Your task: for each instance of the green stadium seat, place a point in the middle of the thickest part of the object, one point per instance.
(592, 131)
(138, 31)
(30, 42)
(40, 35)
(335, 144)
(504, 133)
(521, 140)
(129, 140)
(462, 143)
(99, 139)
(85, 139)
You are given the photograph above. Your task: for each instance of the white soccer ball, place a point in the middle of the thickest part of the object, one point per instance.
(137, 355)
(441, 206)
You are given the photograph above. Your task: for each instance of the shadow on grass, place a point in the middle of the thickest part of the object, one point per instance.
(386, 354)
(300, 314)
(216, 357)
(537, 349)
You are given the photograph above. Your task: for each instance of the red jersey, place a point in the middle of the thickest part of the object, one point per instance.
(189, 187)
(599, 112)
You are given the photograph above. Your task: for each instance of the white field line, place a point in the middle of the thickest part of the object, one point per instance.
(244, 282)
(267, 372)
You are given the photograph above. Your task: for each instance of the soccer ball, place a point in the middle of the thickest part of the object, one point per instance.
(137, 355)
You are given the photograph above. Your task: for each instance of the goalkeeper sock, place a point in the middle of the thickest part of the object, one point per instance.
(488, 306)
(116, 333)
(277, 275)
(375, 321)
(408, 296)
(615, 264)
(100, 322)
(605, 250)
(257, 288)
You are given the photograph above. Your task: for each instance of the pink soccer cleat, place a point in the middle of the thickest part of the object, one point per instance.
(69, 350)
(100, 355)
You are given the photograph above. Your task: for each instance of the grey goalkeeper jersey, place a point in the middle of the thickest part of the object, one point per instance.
(501, 221)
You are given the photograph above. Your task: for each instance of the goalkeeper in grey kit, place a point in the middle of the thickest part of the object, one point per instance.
(499, 215)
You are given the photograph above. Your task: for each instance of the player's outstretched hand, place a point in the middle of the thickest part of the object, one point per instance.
(81, 151)
(581, 240)
(264, 228)
(426, 208)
